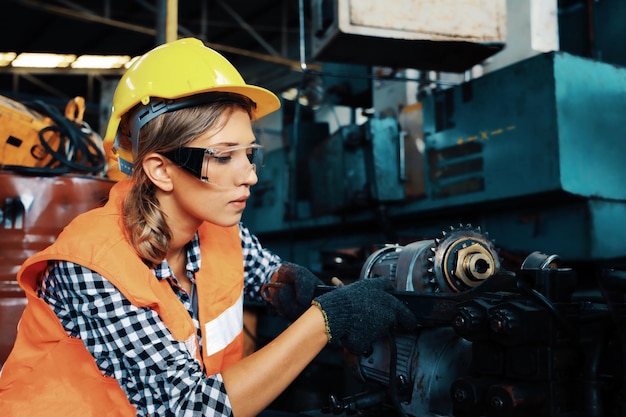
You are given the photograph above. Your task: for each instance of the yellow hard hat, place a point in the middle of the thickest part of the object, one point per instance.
(179, 69)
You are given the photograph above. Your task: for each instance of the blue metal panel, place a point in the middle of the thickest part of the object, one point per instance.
(533, 153)
(267, 206)
(337, 171)
(578, 230)
(552, 123)
(358, 166)
(386, 170)
(591, 116)
(607, 229)
(493, 138)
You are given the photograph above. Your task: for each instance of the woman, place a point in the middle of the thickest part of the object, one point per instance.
(136, 309)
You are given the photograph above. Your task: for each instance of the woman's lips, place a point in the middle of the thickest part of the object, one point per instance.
(240, 202)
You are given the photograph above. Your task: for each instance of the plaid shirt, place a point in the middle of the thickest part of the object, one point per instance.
(134, 346)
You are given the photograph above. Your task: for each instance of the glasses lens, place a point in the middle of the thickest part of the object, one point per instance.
(256, 156)
(230, 163)
(219, 165)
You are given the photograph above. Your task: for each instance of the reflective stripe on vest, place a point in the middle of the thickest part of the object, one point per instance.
(224, 329)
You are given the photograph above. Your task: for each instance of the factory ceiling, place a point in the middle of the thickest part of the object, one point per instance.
(260, 37)
(267, 40)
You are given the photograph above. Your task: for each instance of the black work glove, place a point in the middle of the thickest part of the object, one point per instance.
(361, 313)
(294, 297)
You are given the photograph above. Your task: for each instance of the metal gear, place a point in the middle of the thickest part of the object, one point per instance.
(462, 258)
(458, 260)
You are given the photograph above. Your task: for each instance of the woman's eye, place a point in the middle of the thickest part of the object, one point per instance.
(224, 158)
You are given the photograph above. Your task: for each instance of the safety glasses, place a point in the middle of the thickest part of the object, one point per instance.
(219, 164)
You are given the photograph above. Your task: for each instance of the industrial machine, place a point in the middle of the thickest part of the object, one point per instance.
(531, 152)
(539, 340)
(527, 323)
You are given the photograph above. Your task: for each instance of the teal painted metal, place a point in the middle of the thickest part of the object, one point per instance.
(267, 207)
(357, 167)
(551, 124)
(583, 230)
(533, 153)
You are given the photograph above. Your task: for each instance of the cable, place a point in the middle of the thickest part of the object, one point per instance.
(78, 150)
(560, 318)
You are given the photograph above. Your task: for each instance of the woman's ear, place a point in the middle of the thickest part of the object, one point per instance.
(157, 168)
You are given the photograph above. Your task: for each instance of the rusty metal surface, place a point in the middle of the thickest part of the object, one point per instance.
(33, 211)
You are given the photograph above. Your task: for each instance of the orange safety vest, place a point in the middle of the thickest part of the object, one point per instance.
(49, 373)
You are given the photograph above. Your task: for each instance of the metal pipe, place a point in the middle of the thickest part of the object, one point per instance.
(302, 32)
(171, 21)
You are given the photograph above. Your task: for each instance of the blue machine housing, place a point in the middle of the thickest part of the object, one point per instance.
(533, 153)
(544, 139)
(552, 123)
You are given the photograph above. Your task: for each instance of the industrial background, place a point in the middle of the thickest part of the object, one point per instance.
(414, 125)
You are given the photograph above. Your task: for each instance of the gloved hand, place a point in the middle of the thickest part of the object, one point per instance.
(294, 297)
(363, 312)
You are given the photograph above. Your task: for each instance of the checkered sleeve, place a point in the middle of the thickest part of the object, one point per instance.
(132, 344)
(259, 264)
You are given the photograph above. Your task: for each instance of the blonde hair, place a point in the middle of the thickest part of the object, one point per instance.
(143, 221)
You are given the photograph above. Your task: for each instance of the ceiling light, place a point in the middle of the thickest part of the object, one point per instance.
(292, 93)
(101, 61)
(6, 58)
(36, 60)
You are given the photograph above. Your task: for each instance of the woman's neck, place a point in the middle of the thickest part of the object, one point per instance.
(177, 261)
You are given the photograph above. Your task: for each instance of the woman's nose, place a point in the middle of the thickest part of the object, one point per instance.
(252, 177)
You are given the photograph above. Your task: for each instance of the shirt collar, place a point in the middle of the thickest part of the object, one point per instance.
(163, 271)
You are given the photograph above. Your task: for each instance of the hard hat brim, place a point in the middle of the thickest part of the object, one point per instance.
(266, 103)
